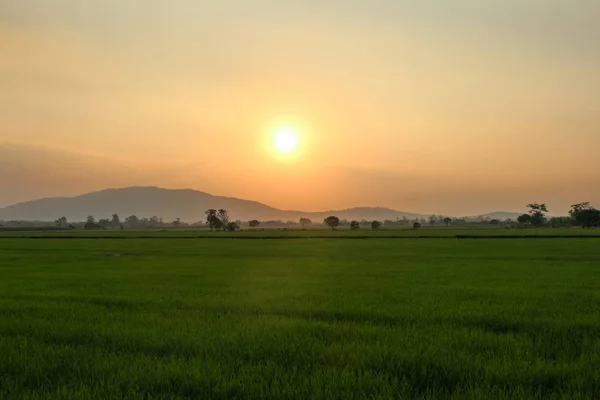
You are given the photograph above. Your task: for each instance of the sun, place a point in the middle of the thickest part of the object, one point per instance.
(286, 140)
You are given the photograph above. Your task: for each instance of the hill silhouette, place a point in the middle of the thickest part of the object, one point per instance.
(187, 204)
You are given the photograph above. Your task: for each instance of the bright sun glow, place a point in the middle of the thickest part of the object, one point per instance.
(286, 140)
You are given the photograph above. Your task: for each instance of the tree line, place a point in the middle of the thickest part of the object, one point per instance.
(580, 215)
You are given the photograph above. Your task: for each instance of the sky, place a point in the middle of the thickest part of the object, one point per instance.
(453, 107)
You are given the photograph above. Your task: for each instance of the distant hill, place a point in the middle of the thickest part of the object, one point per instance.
(187, 204)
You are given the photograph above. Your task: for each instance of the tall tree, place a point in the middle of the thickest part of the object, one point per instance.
(90, 219)
(116, 221)
(211, 218)
(354, 225)
(224, 217)
(537, 213)
(447, 221)
(375, 225)
(585, 215)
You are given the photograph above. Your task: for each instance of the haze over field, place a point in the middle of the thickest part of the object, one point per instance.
(454, 108)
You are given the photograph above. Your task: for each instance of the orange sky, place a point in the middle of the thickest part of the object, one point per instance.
(428, 106)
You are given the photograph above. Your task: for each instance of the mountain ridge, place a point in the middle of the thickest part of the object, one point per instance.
(187, 204)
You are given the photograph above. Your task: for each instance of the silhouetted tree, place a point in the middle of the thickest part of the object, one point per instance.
(417, 225)
(447, 221)
(537, 213)
(155, 221)
(524, 219)
(332, 222)
(132, 221)
(224, 217)
(62, 221)
(116, 221)
(232, 226)
(494, 222)
(212, 220)
(375, 225)
(432, 220)
(254, 223)
(176, 223)
(354, 225)
(92, 226)
(562, 222)
(584, 215)
(90, 219)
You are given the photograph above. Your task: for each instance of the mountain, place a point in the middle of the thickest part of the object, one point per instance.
(187, 204)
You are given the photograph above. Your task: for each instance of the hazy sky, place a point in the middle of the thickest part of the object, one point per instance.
(454, 107)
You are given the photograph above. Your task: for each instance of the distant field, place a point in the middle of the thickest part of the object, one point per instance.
(320, 233)
(300, 319)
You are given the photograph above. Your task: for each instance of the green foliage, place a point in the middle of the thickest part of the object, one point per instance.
(299, 319)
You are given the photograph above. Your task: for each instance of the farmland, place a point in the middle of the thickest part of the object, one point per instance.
(437, 232)
(297, 319)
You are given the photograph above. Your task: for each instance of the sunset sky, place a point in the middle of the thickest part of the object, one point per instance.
(453, 107)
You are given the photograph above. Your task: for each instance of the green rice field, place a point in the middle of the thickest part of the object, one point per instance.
(308, 318)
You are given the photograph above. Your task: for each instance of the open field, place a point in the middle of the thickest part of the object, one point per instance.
(437, 232)
(300, 319)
